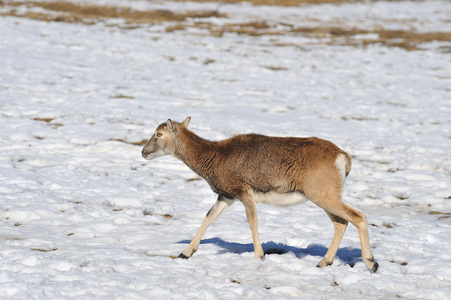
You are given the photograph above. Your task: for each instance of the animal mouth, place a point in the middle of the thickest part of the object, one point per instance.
(145, 155)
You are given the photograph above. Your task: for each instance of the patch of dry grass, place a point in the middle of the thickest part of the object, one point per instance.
(442, 215)
(407, 39)
(139, 143)
(47, 120)
(62, 11)
(276, 2)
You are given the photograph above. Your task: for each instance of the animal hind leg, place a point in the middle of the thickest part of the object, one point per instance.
(340, 226)
(217, 209)
(358, 219)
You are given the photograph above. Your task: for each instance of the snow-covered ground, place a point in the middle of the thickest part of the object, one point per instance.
(83, 216)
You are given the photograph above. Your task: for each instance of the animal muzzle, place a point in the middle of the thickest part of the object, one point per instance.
(149, 155)
(145, 154)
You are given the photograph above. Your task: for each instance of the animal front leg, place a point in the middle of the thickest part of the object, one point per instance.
(217, 209)
(251, 213)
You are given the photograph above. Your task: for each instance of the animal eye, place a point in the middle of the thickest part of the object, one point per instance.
(159, 134)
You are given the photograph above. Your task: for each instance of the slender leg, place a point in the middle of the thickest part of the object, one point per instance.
(340, 226)
(357, 219)
(217, 209)
(251, 213)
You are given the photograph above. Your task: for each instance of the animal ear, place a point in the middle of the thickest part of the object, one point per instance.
(171, 127)
(186, 122)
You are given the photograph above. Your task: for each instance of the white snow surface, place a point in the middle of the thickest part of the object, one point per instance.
(83, 216)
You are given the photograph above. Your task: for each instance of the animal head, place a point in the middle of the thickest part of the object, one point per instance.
(163, 141)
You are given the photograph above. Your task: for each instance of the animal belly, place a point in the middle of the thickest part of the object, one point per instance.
(281, 200)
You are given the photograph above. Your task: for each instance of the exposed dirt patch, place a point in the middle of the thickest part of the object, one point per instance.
(166, 216)
(402, 263)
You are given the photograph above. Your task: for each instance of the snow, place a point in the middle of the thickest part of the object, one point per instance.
(84, 216)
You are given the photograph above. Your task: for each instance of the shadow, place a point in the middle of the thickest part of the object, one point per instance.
(349, 256)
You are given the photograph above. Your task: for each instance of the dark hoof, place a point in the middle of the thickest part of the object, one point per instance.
(375, 267)
(183, 256)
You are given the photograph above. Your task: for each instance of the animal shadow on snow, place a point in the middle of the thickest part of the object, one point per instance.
(346, 255)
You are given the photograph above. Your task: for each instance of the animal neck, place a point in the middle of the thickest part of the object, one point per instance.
(197, 153)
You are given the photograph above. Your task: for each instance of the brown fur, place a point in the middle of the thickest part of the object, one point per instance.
(262, 163)
(248, 167)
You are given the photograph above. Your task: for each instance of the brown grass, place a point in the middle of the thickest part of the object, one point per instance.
(140, 143)
(442, 215)
(44, 250)
(407, 39)
(89, 14)
(62, 11)
(276, 2)
(166, 216)
(123, 96)
(47, 120)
